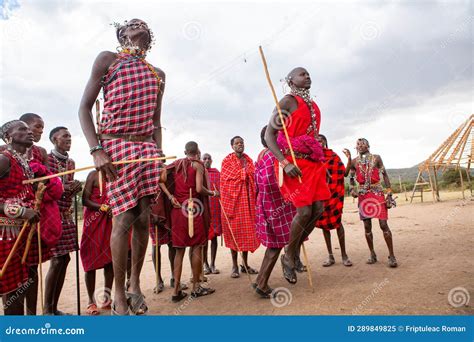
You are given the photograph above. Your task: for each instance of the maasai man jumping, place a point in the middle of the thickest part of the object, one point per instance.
(189, 223)
(307, 195)
(366, 169)
(274, 216)
(130, 128)
(332, 215)
(95, 242)
(59, 161)
(238, 201)
(16, 206)
(215, 229)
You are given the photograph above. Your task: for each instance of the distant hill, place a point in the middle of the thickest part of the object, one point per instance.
(407, 174)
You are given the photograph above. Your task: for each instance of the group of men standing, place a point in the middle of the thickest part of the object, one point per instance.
(295, 185)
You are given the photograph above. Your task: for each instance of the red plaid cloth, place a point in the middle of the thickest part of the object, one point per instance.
(238, 201)
(12, 190)
(213, 175)
(130, 92)
(332, 214)
(274, 214)
(164, 231)
(95, 241)
(67, 242)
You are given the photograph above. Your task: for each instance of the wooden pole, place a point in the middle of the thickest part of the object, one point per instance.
(414, 186)
(282, 119)
(431, 185)
(190, 214)
(121, 162)
(38, 230)
(462, 183)
(157, 251)
(310, 277)
(97, 121)
(78, 292)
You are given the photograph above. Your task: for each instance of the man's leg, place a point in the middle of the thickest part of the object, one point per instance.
(213, 255)
(178, 268)
(121, 225)
(64, 261)
(207, 269)
(13, 303)
(171, 255)
(31, 295)
(341, 235)
(387, 234)
(268, 263)
(370, 240)
(153, 258)
(108, 281)
(89, 278)
(327, 237)
(235, 267)
(196, 265)
(300, 221)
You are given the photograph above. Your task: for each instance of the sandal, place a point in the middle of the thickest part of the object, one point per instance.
(92, 309)
(137, 303)
(61, 313)
(159, 288)
(392, 261)
(207, 270)
(182, 286)
(347, 262)
(300, 267)
(180, 296)
(114, 312)
(202, 291)
(288, 272)
(235, 273)
(214, 270)
(263, 294)
(250, 270)
(330, 261)
(372, 259)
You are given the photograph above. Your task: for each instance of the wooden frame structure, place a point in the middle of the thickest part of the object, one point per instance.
(455, 152)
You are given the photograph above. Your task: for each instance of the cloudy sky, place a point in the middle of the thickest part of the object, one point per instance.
(398, 73)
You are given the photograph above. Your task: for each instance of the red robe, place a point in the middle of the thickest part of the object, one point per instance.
(238, 194)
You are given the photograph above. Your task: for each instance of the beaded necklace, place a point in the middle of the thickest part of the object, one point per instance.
(22, 159)
(141, 55)
(306, 96)
(59, 158)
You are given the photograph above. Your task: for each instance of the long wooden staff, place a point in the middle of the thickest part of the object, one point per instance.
(40, 260)
(78, 292)
(157, 251)
(130, 161)
(38, 200)
(190, 214)
(97, 121)
(289, 144)
(18, 239)
(282, 119)
(233, 237)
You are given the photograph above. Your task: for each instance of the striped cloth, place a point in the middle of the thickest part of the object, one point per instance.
(12, 190)
(274, 214)
(67, 242)
(130, 92)
(213, 175)
(332, 215)
(238, 201)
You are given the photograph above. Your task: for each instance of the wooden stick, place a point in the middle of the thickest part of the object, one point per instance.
(233, 238)
(15, 247)
(278, 108)
(190, 214)
(157, 251)
(38, 200)
(38, 230)
(130, 161)
(310, 277)
(97, 121)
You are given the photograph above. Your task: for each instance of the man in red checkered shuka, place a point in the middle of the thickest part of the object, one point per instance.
(130, 128)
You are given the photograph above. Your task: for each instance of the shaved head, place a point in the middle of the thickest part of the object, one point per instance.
(191, 147)
(295, 72)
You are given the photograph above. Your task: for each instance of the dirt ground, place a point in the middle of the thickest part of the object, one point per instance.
(433, 244)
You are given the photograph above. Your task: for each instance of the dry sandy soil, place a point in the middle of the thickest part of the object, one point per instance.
(433, 244)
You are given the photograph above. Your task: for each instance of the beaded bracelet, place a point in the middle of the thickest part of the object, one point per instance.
(13, 210)
(284, 163)
(96, 148)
